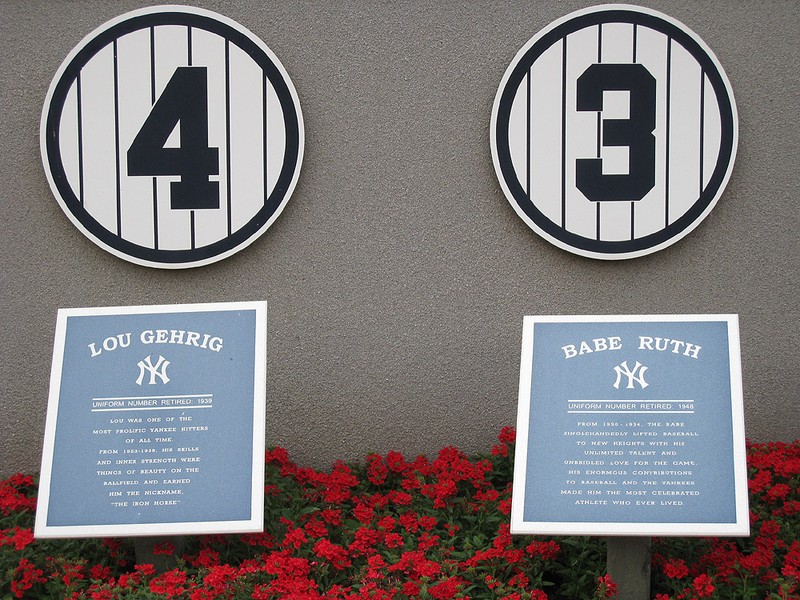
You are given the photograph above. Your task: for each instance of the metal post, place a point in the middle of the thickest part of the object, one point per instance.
(628, 563)
(145, 546)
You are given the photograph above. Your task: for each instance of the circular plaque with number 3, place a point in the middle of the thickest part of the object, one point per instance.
(614, 132)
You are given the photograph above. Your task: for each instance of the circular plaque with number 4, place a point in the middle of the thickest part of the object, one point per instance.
(172, 137)
(614, 132)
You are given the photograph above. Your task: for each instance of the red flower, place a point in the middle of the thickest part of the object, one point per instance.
(19, 538)
(789, 467)
(26, 575)
(416, 564)
(316, 528)
(791, 562)
(427, 541)
(427, 523)
(376, 469)
(500, 450)
(760, 481)
(100, 572)
(606, 586)
(547, 550)
(335, 486)
(395, 462)
(410, 589)
(277, 456)
(145, 569)
(409, 521)
(282, 564)
(758, 560)
(451, 529)
(206, 558)
(169, 584)
(505, 506)
(363, 513)
(218, 577)
(777, 492)
(72, 573)
(376, 564)
(508, 435)
(400, 498)
(294, 538)
(489, 495)
(675, 568)
(519, 580)
(703, 586)
(164, 548)
(12, 499)
(365, 541)
(411, 482)
(387, 523)
(261, 538)
(332, 516)
(393, 540)
(334, 553)
(446, 589)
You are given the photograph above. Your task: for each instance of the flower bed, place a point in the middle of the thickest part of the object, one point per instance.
(396, 528)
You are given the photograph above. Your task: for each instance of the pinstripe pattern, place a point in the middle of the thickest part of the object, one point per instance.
(694, 144)
(125, 67)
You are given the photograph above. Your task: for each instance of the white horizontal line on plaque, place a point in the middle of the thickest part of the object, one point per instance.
(155, 397)
(151, 408)
(622, 412)
(629, 401)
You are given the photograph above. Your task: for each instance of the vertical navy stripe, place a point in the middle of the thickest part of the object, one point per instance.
(702, 126)
(633, 204)
(528, 126)
(599, 126)
(265, 96)
(666, 162)
(228, 130)
(116, 140)
(152, 65)
(152, 102)
(191, 212)
(564, 132)
(600, 42)
(80, 138)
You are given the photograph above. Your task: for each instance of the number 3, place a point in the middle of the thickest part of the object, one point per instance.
(635, 132)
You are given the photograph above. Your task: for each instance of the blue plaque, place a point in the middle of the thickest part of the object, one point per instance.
(630, 425)
(155, 421)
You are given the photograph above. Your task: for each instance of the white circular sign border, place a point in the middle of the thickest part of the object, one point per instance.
(225, 21)
(510, 197)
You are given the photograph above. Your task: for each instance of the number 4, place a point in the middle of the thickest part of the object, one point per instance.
(184, 101)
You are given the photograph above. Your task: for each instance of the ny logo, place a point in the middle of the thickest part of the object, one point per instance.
(155, 370)
(631, 374)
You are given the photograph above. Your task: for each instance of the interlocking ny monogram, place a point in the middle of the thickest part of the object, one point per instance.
(624, 369)
(158, 370)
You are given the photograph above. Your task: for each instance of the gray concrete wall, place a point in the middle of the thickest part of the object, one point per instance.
(398, 275)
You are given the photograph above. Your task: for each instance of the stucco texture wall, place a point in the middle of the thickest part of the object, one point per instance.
(398, 274)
